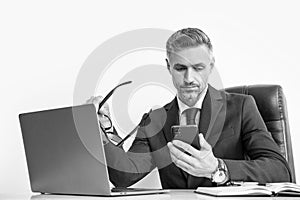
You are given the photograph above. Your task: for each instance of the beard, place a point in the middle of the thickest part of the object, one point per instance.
(189, 97)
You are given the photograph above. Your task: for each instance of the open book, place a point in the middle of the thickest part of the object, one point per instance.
(250, 189)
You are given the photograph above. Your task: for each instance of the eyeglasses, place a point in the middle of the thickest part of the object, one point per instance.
(111, 134)
(115, 137)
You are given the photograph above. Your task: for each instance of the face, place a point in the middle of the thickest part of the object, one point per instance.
(190, 69)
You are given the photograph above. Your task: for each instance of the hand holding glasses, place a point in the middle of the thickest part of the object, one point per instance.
(104, 117)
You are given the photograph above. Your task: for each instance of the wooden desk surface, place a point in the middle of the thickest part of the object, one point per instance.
(174, 194)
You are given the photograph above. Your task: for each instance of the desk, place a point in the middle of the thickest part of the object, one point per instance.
(174, 194)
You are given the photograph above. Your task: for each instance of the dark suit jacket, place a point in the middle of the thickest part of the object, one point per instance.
(231, 124)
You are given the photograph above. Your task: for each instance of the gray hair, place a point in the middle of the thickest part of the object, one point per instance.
(186, 38)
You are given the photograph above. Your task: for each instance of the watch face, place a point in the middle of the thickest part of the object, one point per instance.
(219, 176)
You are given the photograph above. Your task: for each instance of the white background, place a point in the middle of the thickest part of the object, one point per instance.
(43, 45)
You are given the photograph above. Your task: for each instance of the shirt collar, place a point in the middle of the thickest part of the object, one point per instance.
(182, 106)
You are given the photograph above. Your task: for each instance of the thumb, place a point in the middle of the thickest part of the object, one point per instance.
(203, 143)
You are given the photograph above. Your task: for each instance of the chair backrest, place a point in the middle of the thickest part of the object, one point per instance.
(271, 104)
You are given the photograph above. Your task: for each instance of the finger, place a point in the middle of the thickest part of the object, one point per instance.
(104, 109)
(186, 147)
(173, 158)
(104, 121)
(184, 166)
(97, 99)
(90, 100)
(172, 148)
(179, 155)
(175, 152)
(203, 143)
(178, 162)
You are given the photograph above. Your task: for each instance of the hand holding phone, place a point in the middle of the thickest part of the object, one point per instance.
(187, 133)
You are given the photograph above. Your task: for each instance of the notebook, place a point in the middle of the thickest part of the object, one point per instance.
(65, 153)
(250, 189)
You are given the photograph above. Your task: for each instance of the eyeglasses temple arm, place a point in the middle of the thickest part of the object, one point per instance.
(110, 93)
(135, 128)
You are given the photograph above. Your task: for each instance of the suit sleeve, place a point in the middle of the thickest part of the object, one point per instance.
(126, 168)
(266, 164)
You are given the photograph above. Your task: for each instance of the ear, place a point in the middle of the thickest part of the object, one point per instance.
(212, 63)
(168, 64)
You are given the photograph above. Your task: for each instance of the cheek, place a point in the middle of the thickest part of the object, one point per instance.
(203, 77)
(177, 78)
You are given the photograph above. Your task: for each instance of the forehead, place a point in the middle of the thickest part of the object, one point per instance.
(192, 55)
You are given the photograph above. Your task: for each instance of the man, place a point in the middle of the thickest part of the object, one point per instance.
(234, 142)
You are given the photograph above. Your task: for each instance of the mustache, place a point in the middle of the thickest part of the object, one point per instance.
(189, 85)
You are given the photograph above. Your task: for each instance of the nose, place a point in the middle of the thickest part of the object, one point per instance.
(188, 76)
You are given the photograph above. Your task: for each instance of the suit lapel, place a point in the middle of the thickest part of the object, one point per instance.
(172, 119)
(212, 115)
(205, 114)
(218, 114)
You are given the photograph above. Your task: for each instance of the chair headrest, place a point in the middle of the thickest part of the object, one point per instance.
(270, 100)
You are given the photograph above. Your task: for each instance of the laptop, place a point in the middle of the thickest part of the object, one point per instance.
(65, 153)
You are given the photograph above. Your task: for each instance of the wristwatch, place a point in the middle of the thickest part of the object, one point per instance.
(220, 175)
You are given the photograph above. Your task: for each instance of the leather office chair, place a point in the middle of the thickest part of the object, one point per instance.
(271, 104)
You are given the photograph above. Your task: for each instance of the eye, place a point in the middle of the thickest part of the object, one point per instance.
(198, 69)
(179, 67)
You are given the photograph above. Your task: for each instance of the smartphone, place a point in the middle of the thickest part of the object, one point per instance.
(187, 133)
